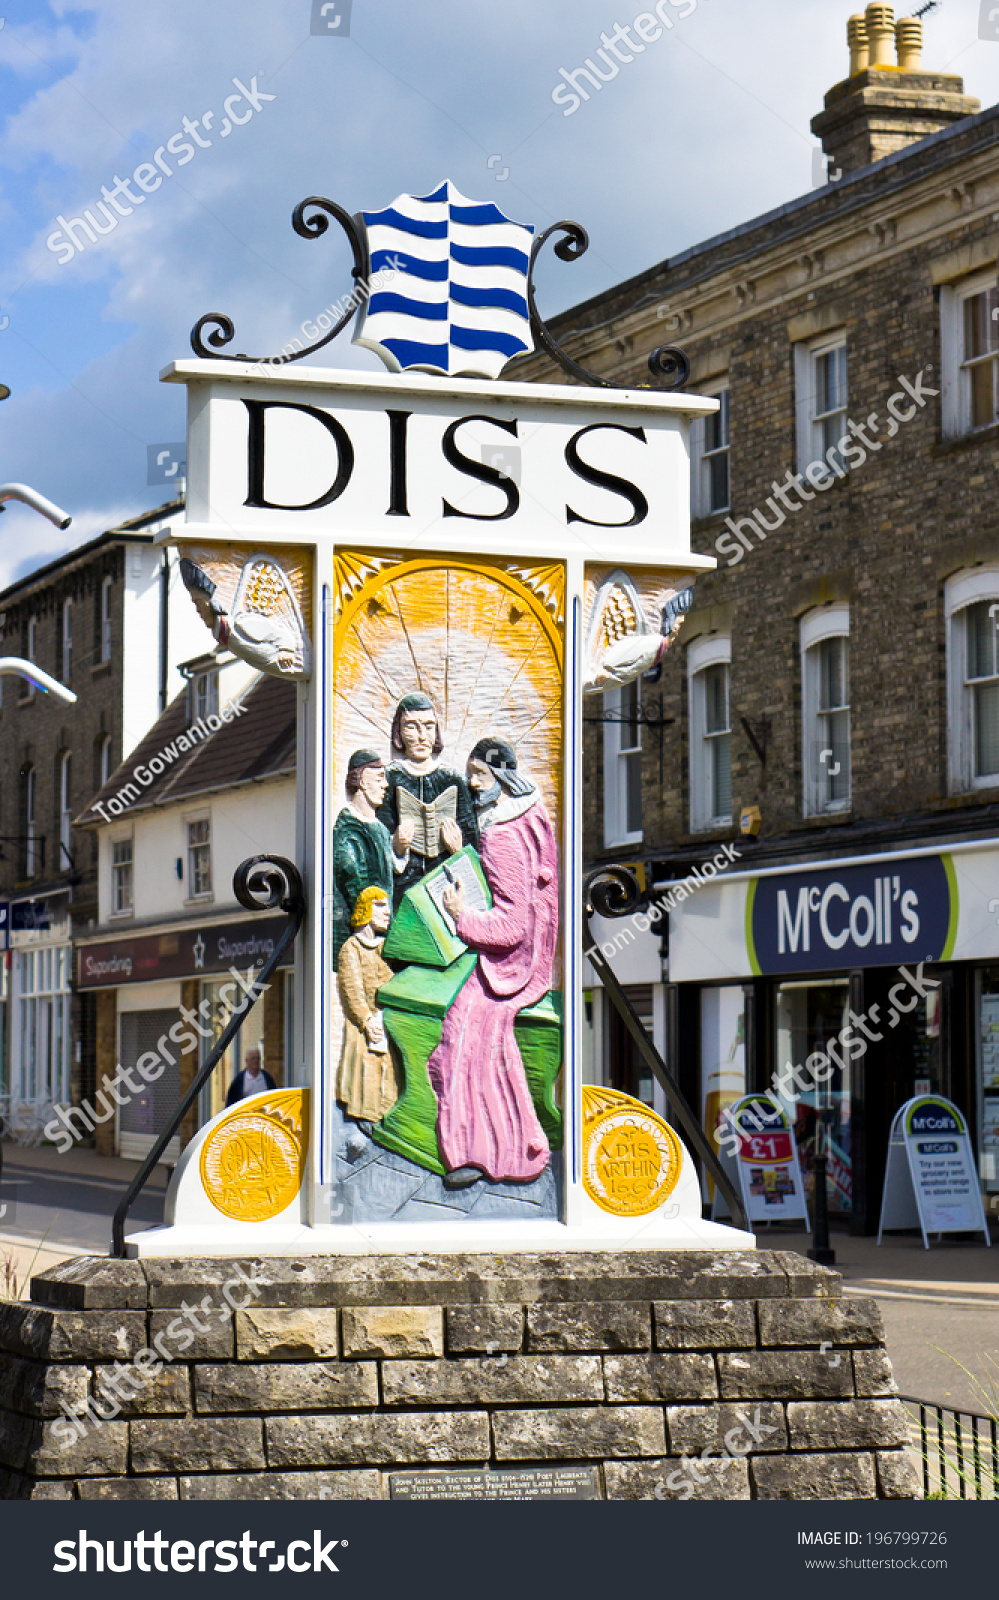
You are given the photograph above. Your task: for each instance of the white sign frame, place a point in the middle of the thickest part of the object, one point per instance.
(904, 1203)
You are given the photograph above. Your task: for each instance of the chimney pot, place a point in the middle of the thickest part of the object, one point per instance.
(909, 44)
(856, 34)
(880, 35)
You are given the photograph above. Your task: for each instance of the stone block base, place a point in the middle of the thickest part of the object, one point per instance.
(730, 1376)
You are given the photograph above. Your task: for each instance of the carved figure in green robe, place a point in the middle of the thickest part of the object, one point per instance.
(363, 853)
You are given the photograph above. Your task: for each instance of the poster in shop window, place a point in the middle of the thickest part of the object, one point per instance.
(930, 1178)
(766, 1166)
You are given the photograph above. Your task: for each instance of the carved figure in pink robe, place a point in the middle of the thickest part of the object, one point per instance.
(487, 1124)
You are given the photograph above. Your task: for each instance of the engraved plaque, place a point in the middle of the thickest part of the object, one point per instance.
(531, 1483)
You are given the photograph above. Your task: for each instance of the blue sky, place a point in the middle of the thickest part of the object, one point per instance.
(703, 130)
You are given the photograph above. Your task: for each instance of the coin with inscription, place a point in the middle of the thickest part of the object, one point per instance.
(631, 1157)
(251, 1166)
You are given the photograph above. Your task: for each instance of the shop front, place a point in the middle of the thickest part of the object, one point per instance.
(846, 987)
(185, 980)
(36, 1052)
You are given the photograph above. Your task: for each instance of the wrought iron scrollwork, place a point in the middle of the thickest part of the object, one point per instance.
(615, 891)
(308, 227)
(266, 883)
(261, 883)
(612, 891)
(667, 362)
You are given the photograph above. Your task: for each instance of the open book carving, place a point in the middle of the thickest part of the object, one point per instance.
(426, 817)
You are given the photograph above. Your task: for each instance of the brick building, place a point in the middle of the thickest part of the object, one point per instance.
(832, 706)
(105, 621)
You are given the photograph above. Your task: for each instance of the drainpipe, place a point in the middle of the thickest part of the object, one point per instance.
(164, 627)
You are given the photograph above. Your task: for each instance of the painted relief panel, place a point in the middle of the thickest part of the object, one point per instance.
(446, 763)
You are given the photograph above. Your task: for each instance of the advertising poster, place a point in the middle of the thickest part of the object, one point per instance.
(930, 1178)
(765, 1164)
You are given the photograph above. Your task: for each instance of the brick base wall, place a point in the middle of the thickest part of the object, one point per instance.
(338, 1371)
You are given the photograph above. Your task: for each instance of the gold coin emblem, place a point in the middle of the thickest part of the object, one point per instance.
(631, 1157)
(252, 1166)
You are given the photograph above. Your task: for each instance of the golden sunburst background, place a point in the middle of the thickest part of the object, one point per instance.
(483, 640)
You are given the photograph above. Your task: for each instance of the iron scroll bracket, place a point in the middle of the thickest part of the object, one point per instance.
(614, 891)
(668, 363)
(308, 227)
(261, 883)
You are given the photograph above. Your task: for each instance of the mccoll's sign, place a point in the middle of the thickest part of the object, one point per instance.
(878, 914)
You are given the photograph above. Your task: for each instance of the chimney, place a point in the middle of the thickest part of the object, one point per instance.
(886, 104)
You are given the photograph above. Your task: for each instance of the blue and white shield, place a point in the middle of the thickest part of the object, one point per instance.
(448, 285)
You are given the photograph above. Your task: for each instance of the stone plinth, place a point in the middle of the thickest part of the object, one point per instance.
(333, 1373)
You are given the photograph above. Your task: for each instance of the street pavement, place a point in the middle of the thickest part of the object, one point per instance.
(62, 1205)
(940, 1306)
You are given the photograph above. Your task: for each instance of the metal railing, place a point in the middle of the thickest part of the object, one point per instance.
(958, 1450)
(259, 884)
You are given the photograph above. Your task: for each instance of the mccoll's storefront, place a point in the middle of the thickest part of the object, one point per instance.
(891, 960)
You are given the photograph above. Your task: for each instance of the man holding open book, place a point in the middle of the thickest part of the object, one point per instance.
(428, 807)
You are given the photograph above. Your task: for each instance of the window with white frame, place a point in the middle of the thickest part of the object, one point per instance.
(121, 876)
(30, 654)
(969, 339)
(820, 398)
(825, 722)
(65, 811)
(709, 680)
(67, 640)
(709, 458)
(105, 620)
(43, 1026)
(623, 764)
(30, 856)
(103, 759)
(204, 694)
(199, 858)
(972, 609)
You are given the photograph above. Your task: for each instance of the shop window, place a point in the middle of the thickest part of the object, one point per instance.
(709, 674)
(628, 1073)
(820, 397)
(144, 1116)
(121, 876)
(723, 1059)
(987, 996)
(199, 858)
(623, 765)
(709, 459)
(808, 1016)
(251, 1036)
(972, 604)
(969, 335)
(825, 673)
(43, 1024)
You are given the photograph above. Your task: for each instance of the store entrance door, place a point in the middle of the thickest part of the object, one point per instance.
(912, 1056)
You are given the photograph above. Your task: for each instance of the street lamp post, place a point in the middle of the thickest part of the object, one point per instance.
(820, 1251)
